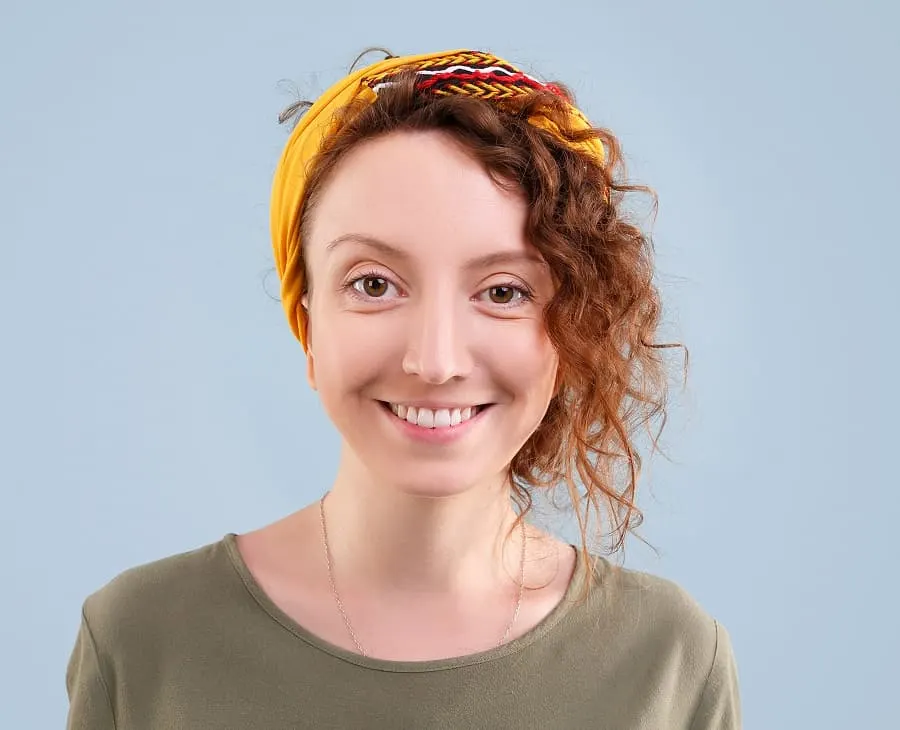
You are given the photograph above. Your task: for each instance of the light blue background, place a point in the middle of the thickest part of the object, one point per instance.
(152, 396)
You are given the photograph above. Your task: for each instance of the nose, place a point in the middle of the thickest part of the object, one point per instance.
(438, 347)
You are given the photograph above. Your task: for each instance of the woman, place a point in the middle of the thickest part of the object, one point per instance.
(478, 318)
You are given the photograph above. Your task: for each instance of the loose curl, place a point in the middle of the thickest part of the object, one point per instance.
(605, 311)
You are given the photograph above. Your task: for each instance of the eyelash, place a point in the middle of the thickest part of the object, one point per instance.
(372, 274)
(525, 294)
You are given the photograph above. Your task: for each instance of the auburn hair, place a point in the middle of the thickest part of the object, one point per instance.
(604, 314)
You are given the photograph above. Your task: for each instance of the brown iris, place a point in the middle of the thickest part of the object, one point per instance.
(374, 286)
(502, 294)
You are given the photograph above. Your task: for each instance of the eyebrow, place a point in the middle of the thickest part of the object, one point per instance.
(491, 259)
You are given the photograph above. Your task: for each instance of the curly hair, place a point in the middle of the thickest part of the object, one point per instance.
(605, 311)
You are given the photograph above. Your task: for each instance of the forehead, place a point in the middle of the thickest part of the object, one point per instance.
(423, 192)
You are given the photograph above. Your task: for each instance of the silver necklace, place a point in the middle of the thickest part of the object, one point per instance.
(340, 604)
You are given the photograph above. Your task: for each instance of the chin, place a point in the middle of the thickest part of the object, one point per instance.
(433, 476)
(441, 481)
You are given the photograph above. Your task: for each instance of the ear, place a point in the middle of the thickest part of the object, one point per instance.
(310, 358)
(311, 369)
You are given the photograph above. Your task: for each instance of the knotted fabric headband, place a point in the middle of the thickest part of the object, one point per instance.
(465, 73)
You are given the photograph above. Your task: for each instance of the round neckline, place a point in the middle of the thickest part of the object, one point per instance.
(534, 634)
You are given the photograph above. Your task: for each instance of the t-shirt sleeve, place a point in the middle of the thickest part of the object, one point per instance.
(720, 703)
(89, 704)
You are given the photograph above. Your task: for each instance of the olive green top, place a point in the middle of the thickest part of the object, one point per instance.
(192, 642)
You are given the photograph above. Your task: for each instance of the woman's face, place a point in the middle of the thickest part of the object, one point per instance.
(427, 344)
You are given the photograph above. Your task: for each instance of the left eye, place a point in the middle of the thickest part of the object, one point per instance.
(502, 294)
(506, 295)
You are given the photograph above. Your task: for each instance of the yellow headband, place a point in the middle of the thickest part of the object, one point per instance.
(462, 72)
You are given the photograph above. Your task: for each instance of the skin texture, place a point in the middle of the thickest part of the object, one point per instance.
(424, 290)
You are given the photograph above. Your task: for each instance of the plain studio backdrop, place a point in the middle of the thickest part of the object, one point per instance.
(153, 397)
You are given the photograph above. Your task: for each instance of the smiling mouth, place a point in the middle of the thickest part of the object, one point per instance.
(433, 418)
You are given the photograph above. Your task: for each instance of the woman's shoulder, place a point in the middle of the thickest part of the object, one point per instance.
(648, 609)
(164, 591)
(663, 635)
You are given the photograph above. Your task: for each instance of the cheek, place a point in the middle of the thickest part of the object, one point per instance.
(523, 356)
(348, 352)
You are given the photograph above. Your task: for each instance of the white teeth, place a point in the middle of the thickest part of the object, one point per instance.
(425, 418)
(428, 418)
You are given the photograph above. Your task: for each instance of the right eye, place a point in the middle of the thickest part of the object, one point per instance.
(373, 287)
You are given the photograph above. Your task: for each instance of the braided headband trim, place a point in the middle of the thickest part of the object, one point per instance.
(462, 72)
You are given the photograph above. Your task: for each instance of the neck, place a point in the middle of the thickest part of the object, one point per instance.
(393, 541)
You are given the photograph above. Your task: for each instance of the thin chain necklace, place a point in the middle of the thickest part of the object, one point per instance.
(340, 605)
